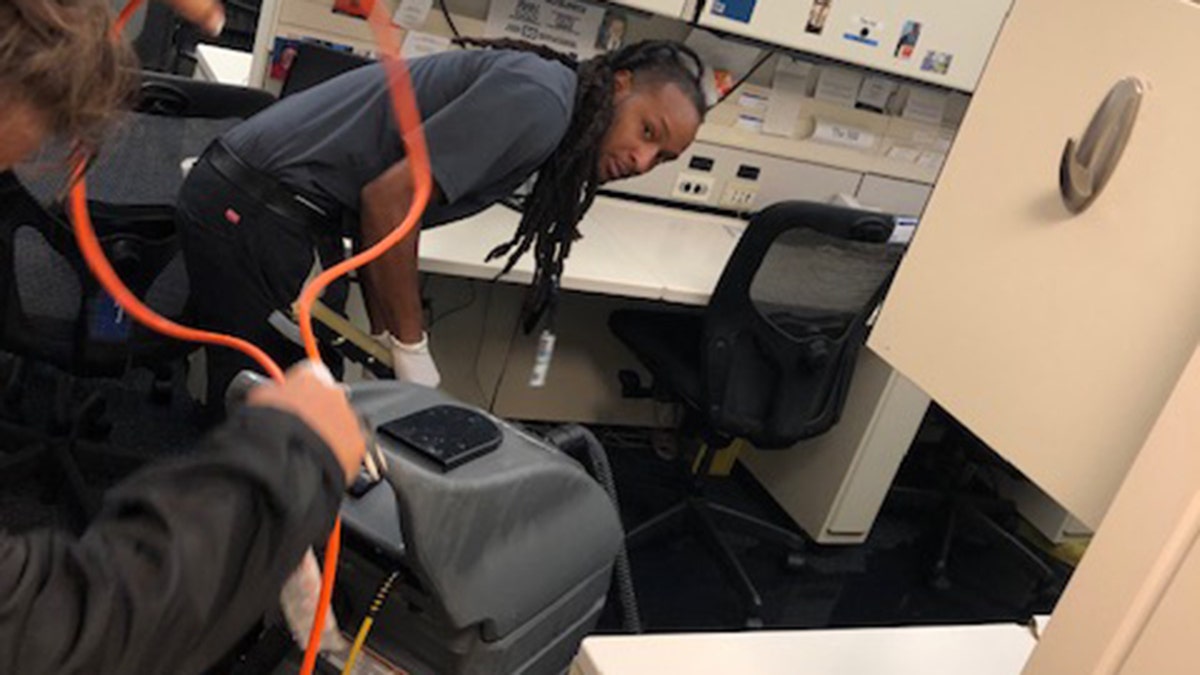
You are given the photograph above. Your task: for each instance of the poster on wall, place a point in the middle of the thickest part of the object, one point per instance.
(569, 26)
(737, 10)
(612, 31)
(907, 44)
(411, 14)
(359, 8)
(937, 62)
(817, 14)
(864, 30)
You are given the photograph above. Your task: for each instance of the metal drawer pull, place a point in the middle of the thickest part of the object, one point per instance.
(1087, 165)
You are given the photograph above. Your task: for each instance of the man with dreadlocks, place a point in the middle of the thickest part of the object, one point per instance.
(282, 184)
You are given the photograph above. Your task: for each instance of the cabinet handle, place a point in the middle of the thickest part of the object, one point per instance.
(1087, 164)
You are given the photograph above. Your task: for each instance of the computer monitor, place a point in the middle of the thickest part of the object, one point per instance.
(316, 63)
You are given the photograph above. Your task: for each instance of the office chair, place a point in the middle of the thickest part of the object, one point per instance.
(968, 473)
(168, 95)
(173, 119)
(770, 359)
(53, 311)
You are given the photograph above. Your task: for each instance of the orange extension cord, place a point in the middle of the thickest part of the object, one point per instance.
(409, 122)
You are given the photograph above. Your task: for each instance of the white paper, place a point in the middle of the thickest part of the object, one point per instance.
(903, 154)
(924, 105)
(875, 92)
(418, 44)
(836, 133)
(903, 231)
(749, 123)
(720, 54)
(939, 142)
(412, 13)
(783, 112)
(956, 108)
(931, 160)
(753, 101)
(838, 85)
(788, 66)
(569, 26)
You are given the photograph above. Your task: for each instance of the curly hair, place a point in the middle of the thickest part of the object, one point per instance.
(567, 182)
(56, 56)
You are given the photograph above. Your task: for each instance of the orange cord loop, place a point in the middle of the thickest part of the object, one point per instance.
(408, 119)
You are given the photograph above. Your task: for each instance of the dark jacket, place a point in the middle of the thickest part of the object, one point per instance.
(183, 559)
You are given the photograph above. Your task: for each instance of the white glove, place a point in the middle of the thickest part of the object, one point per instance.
(412, 363)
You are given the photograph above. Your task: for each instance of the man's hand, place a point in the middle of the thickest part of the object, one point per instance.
(207, 14)
(412, 362)
(310, 393)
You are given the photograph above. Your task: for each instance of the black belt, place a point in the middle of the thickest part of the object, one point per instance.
(273, 194)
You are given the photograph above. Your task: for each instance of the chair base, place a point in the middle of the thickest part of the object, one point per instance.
(707, 519)
(57, 452)
(962, 506)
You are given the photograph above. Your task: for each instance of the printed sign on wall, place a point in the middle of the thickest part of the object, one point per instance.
(566, 25)
(737, 10)
(817, 14)
(937, 62)
(864, 30)
(907, 44)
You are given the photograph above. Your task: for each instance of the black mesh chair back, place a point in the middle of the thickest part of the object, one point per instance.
(785, 324)
(52, 308)
(768, 360)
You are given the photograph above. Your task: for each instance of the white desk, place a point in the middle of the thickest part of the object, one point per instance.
(628, 250)
(637, 254)
(997, 649)
(222, 65)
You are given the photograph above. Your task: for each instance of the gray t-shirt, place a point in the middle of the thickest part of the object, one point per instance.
(490, 118)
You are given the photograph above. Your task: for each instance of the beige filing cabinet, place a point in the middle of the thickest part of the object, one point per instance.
(1057, 337)
(834, 484)
(1133, 606)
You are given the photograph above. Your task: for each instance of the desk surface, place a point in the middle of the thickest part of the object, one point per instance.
(996, 649)
(226, 66)
(628, 249)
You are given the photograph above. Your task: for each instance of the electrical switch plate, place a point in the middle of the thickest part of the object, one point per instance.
(739, 195)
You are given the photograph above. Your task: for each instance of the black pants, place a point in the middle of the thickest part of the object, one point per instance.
(248, 256)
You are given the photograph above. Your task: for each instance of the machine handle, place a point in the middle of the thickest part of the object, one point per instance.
(1087, 164)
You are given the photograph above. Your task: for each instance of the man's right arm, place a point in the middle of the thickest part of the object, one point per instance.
(392, 282)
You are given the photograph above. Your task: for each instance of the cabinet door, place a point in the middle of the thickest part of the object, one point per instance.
(1133, 605)
(1056, 337)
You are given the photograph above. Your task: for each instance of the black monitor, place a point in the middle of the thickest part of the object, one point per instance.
(316, 63)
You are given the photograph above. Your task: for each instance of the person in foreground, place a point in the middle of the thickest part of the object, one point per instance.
(187, 555)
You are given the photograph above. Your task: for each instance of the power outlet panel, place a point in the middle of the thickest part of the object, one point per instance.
(739, 195)
(693, 187)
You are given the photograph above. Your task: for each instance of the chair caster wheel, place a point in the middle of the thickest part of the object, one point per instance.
(161, 392)
(98, 429)
(940, 582)
(754, 623)
(795, 561)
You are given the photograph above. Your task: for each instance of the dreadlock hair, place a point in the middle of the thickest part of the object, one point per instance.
(567, 182)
